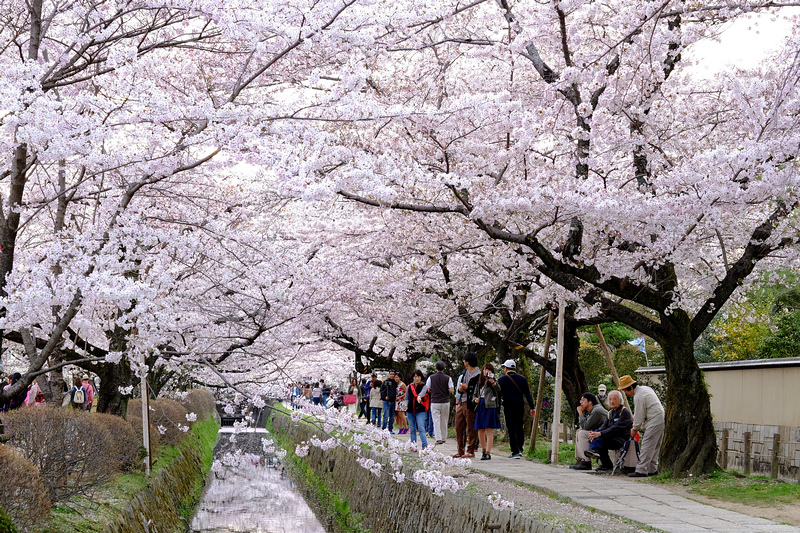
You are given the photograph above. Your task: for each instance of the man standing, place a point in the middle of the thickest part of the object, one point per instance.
(465, 407)
(440, 386)
(366, 390)
(389, 397)
(515, 391)
(602, 397)
(591, 416)
(649, 419)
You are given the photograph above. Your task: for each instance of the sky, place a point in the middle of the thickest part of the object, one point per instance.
(743, 43)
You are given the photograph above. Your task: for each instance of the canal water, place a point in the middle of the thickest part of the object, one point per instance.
(248, 490)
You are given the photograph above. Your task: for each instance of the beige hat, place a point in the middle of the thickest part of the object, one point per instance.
(625, 382)
(602, 387)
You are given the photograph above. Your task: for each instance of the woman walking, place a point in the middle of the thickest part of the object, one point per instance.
(487, 416)
(416, 410)
(375, 402)
(401, 407)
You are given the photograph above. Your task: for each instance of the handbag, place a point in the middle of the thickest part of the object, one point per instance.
(349, 399)
(402, 406)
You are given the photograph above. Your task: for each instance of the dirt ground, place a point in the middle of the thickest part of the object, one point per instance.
(783, 513)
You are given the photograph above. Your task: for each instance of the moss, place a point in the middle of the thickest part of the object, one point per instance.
(6, 524)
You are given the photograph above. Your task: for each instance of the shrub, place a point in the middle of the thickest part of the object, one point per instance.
(23, 495)
(135, 420)
(73, 450)
(200, 402)
(126, 443)
(168, 416)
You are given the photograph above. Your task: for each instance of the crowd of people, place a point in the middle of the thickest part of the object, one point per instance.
(421, 409)
(80, 395)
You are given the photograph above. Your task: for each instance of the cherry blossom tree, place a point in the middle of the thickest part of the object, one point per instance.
(580, 136)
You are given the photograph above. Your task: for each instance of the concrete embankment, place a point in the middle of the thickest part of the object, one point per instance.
(390, 507)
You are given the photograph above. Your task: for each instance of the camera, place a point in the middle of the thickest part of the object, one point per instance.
(490, 375)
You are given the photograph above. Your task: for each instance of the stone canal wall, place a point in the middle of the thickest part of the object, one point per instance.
(390, 507)
(160, 508)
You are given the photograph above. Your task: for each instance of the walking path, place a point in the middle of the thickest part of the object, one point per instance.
(639, 500)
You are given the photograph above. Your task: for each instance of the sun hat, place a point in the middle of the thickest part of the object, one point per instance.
(625, 382)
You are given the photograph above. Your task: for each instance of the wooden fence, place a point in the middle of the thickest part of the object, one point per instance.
(764, 450)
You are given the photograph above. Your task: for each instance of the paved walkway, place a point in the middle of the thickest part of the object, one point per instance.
(639, 500)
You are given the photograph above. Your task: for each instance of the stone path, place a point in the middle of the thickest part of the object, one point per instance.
(639, 500)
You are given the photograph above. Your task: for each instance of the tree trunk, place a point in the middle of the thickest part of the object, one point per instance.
(112, 377)
(690, 445)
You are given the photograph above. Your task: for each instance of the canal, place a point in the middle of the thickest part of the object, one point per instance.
(248, 490)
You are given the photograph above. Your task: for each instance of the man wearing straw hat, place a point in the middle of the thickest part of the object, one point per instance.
(649, 418)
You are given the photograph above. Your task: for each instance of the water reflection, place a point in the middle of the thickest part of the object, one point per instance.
(255, 495)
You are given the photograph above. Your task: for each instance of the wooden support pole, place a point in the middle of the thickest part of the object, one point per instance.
(610, 362)
(546, 353)
(559, 376)
(746, 458)
(723, 449)
(776, 448)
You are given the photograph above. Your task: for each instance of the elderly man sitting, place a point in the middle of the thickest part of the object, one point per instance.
(612, 434)
(591, 416)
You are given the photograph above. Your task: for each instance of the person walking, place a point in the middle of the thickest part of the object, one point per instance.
(89, 388)
(389, 398)
(466, 436)
(649, 419)
(441, 387)
(487, 414)
(77, 394)
(375, 402)
(401, 406)
(362, 400)
(515, 391)
(418, 402)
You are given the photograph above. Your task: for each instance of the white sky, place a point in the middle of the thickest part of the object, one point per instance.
(743, 43)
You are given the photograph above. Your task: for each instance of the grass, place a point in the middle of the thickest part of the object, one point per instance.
(566, 452)
(757, 491)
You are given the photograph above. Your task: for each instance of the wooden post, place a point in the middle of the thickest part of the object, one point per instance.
(746, 458)
(776, 448)
(148, 459)
(610, 362)
(535, 428)
(723, 448)
(559, 376)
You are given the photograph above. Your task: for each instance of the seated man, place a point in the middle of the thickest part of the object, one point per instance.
(591, 416)
(612, 434)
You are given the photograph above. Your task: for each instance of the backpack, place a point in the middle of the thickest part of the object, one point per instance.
(79, 398)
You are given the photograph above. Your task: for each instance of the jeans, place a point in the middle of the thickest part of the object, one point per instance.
(376, 415)
(324, 400)
(364, 405)
(388, 415)
(429, 424)
(416, 422)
